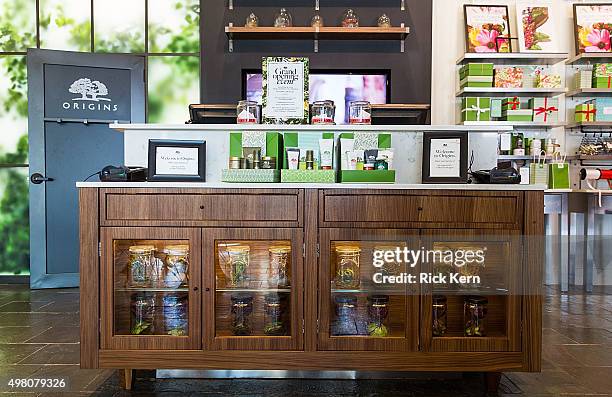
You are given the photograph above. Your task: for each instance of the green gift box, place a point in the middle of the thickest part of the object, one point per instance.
(545, 110)
(496, 107)
(602, 82)
(274, 146)
(476, 69)
(558, 176)
(517, 115)
(367, 176)
(475, 109)
(476, 81)
(602, 70)
(585, 112)
(511, 103)
(308, 176)
(250, 176)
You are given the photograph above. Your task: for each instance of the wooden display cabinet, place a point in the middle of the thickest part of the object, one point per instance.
(234, 309)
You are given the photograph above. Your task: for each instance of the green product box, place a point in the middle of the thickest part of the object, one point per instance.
(274, 146)
(517, 115)
(602, 70)
(496, 107)
(602, 82)
(475, 109)
(476, 69)
(511, 103)
(476, 81)
(545, 110)
(308, 176)
(369, 176)
(585, 112)
(250, 176)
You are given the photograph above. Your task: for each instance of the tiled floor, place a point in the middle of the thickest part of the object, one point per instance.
(39, 337)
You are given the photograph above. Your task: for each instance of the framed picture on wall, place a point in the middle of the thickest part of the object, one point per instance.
(592, 26)
(536, 26)
(445, 157)
(486, 27)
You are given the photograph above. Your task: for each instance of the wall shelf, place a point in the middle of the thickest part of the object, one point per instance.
(500, 91)
(310, 33)
(317, 4)
(515, 58)
(515, 124)
(589, 57)
(591, 125)
(590, 92)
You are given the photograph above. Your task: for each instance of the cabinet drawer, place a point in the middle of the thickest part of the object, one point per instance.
(217, 208)
(416, 208)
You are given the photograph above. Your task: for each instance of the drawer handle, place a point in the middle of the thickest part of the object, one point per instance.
(201, 207)
(195, 289)
(420, 208)
(207, 289)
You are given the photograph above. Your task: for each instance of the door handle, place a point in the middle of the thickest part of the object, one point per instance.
(37, 178)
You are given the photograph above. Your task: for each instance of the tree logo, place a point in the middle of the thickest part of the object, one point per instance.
(89, 90)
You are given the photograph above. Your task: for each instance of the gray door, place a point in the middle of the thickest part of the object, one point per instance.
(72, 97)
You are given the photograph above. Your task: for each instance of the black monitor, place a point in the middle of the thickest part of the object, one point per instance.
(341, 86)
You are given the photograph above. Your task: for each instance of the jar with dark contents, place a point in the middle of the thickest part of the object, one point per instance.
(346, 316)
(242, 307)
(273, 316)
(378, 310)
(143, 314)
(475, 315)
(439, 309)
(175, 311)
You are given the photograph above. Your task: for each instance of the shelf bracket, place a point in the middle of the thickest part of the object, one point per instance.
(402, 5)
(317, 5)
(402, 42)
(316, 39)
(231, 40)
(230, 4)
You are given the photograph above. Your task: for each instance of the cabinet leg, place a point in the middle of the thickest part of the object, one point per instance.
(492, 380)
(127, 379)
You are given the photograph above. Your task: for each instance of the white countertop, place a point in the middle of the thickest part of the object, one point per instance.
(390, 186)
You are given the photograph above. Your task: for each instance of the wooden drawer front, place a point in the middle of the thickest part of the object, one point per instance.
(400, 208)
(201, 207)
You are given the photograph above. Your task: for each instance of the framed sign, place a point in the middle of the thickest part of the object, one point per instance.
(445, 157)
(285, 90)
(485, 28)
(177, 161)
(537, 30)
(592, 26)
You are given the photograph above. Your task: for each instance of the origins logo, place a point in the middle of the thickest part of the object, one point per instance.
(92, 93)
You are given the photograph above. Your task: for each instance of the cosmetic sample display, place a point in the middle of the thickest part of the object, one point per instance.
(350, 19)
(326, 151)
(283, 19)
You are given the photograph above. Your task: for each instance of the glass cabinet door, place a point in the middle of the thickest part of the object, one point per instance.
(257, 284)
(364, 303)
(477, 308)
(150, 291)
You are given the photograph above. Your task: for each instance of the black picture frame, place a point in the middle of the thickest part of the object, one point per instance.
(154, 144)
(463, 157)
(576, 26)
(465, 26)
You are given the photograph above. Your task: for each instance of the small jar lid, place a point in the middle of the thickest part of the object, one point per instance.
(179, 249)
(242, 298)
(476, 299)
(272, 299)
(379, 299)
(281, 249)
(238, 248)
(234, 158)
(141, 249)
(346, 299)
(439, 299)
(348, 249)
(268, 158)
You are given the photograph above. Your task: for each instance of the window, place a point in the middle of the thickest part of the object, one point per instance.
(165, 32)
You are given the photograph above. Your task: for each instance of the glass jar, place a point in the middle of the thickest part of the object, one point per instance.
(142, 317)
(177, 265)
(346, 316)
(317, 21)
(175, 309)
(278, 266)
(360, 112)
(247, 112)
(268, 163)
(378, 310)
(140, 265)
(251, 21)
(283, 19)
(242, 307)
(237, 266)
(384, 21)
(475, 315)
(273, 316)
(350, 19)
(439, 321)
(347, 267)
(323, 112)
(389, 268)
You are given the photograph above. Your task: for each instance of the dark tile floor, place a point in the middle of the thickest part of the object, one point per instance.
(39, 337)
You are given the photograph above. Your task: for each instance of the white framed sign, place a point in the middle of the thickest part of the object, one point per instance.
(174, 160)
(445, 157)
(285, 90)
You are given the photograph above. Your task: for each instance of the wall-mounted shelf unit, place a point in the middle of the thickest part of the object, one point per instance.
(514, 58)
(591, 125)
(589, 92)
(516, 124)
(527, 158)
(492, 91)
(589, 57)
(316, 33)
(317, 4)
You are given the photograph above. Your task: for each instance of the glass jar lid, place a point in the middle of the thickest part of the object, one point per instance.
(238, 249)
(247, 103)
(378, 299)
(348, 249)
(359, 103)
(179, 249)
(439, 299)
(478, 300)
(272, 299)
(281, 249)
(346, 300)
(141, 249)
(242, 298)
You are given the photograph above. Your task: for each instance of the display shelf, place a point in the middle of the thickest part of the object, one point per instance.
(590, 125)
(589, 57)
(513, 157)
(599, 157)
(514, 58)
(316, 4)
(589, 92)
(255, 290)
(497, 91)
(151, 289)
(516, 124)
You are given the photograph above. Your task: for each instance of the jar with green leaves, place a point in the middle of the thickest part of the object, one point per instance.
(347, 267)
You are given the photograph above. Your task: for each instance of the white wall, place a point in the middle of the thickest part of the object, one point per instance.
(448, 44)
